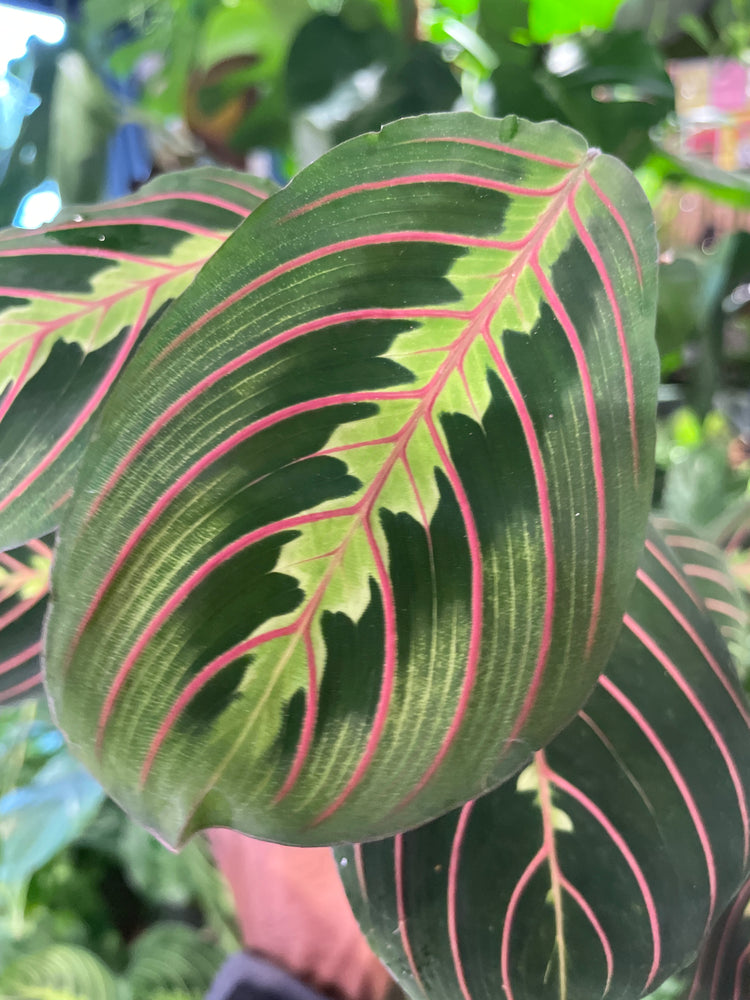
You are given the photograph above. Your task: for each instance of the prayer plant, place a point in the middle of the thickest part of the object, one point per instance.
(351, 483)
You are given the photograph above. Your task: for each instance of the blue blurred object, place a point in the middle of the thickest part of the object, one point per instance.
(39, 206)
(16, 102)
(128, 157)
(129, 160)
(20, 22)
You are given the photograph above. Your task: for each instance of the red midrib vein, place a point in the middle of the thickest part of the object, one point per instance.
(478, 322)
(361, 513)
(429, 395)
(550, 853)
(616, 837)
(245, 359)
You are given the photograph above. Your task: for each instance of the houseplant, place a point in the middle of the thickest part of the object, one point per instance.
(350, 541)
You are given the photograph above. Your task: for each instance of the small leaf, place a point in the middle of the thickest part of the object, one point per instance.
(600, 869)
(24, 586)
(358, 528)
(172, 958)
(75, 297)
(60, 972)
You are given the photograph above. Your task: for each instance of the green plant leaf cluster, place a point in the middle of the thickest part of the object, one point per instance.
(352, 500)
(283, 522)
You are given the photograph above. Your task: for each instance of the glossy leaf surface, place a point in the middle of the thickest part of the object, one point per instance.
(599, 869)
(24, 586)
(350, 543)
(75, 297)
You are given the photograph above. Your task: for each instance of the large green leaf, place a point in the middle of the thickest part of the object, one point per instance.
(24, 585)
(349, 544)
(75, 297)
(598, 871)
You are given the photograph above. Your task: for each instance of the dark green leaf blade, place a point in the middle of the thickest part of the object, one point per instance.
(598, 871)
(723, 966)
(347, 520)
(75, 297)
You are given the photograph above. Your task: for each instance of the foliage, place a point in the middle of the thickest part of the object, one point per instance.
(298, 76)
(74, 869)
(224, 305)
(574, 837)
(158, 241)
(400, 381)
(212, 436)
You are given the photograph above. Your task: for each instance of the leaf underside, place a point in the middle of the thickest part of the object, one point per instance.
(75, 297)
(598, 871)
(347, 520)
